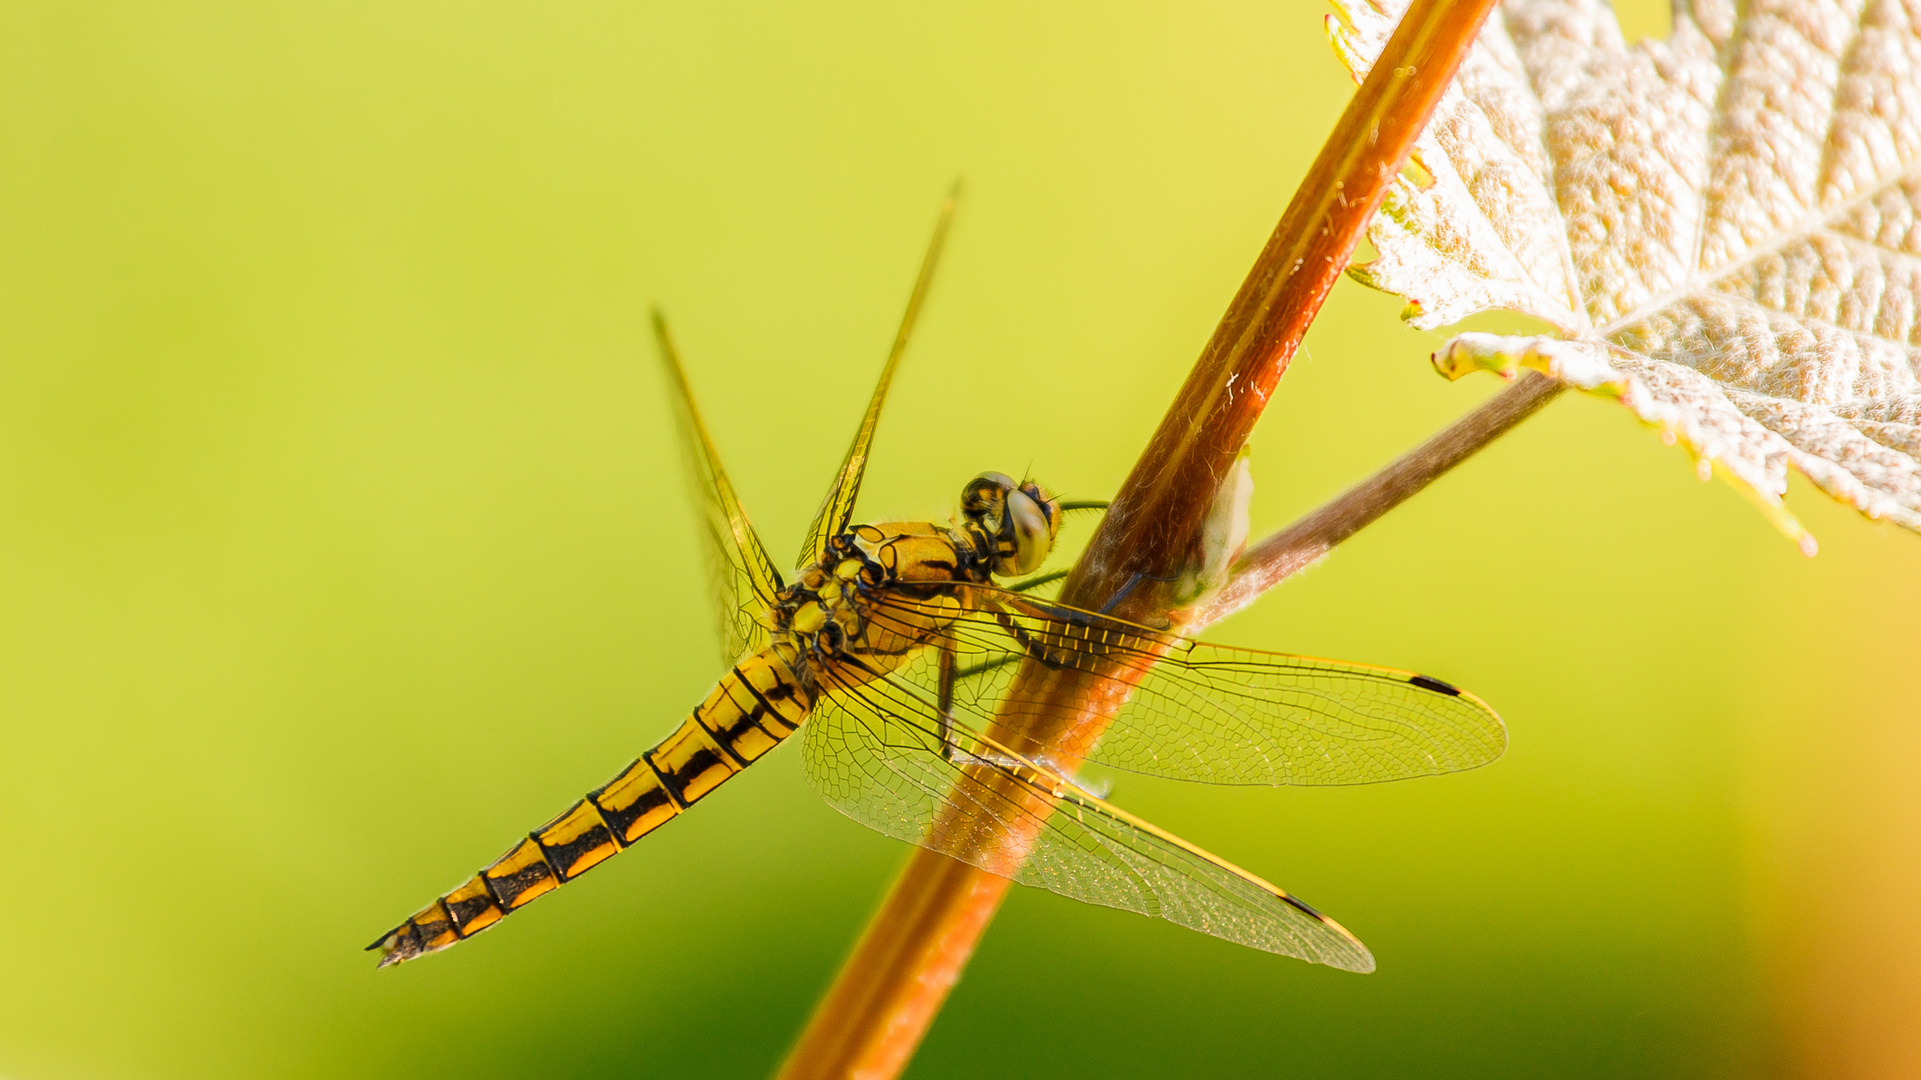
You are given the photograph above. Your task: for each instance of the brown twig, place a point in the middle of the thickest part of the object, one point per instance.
(912, 952)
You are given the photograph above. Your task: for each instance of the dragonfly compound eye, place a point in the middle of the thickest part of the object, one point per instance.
(1033, 530)
(984, 499)
(1050, 507)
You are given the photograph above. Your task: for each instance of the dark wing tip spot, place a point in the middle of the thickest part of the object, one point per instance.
(1304, 906)
(1435, 685)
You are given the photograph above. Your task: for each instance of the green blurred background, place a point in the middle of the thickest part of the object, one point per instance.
(342, 539)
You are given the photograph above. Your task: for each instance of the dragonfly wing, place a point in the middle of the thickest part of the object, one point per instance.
(743, 577)
(1219, 714)
(874, 750)
(837, 509)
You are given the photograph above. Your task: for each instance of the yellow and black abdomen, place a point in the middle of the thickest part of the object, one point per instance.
(749, 712)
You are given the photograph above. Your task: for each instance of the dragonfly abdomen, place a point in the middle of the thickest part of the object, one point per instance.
(750, 710)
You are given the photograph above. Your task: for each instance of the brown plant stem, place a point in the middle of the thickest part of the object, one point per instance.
(1308, 540)
(913, 950)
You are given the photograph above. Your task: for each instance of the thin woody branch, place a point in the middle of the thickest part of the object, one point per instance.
(1305, 542)
(912, 952)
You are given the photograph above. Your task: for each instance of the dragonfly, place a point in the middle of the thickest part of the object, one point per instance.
(893, 651)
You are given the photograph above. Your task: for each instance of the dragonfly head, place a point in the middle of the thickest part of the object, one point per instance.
(1020, 519)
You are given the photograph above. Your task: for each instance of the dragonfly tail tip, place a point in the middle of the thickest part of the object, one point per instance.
(394, 947)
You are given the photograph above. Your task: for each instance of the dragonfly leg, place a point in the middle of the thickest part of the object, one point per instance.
(944, 661)
(986, 666)
(1052, 658)
(948, 672)
(1132, 582)
(1037, 581)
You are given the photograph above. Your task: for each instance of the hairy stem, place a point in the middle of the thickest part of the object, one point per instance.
(1305, 542)
(912, 952)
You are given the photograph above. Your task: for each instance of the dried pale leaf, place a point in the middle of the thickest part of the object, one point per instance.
(1723, 228)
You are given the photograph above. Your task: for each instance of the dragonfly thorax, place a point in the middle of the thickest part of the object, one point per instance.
(821, 610)
(828, 610)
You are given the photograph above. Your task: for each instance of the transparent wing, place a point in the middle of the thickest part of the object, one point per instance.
(874, 750)
(744, 579)
(1211, 713)
(837, 509)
